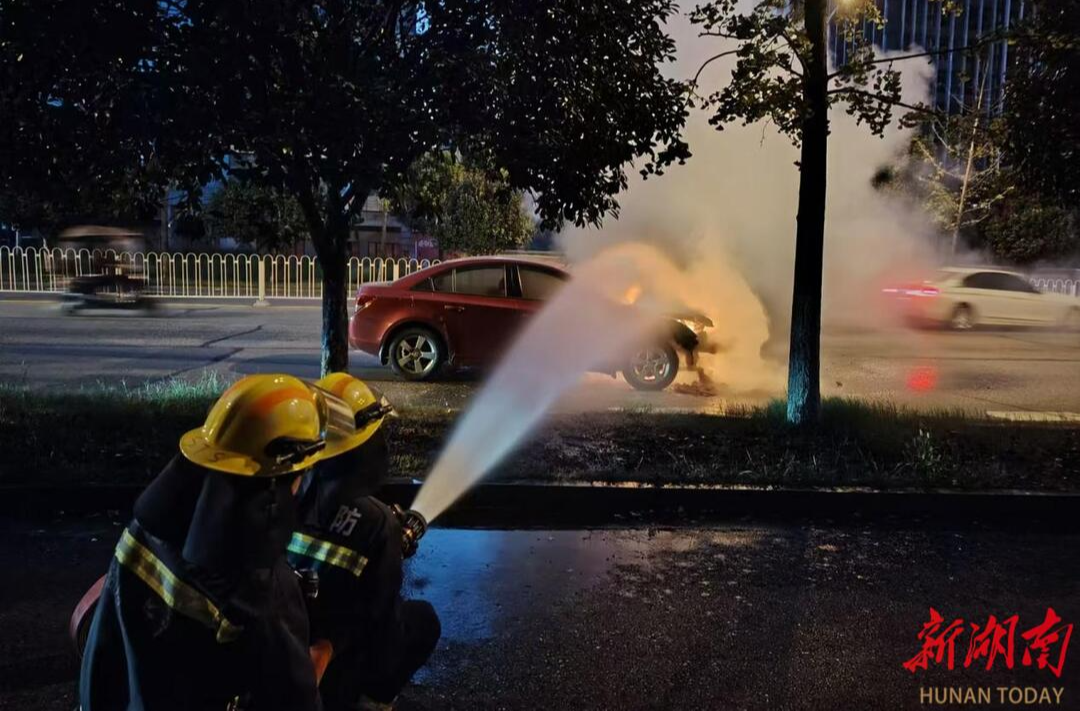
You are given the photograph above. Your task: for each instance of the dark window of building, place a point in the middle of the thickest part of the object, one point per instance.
(390, 250)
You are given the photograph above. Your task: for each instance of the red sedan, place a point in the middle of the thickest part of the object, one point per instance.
(465, 312)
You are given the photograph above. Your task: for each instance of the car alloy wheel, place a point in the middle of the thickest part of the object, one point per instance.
(417, 354)
(651, 365)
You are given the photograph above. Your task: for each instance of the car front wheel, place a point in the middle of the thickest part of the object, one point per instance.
(416, 353)
(652, 368)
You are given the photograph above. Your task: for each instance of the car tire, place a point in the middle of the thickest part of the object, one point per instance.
(652, 368)
(416, 353)
(962, 319)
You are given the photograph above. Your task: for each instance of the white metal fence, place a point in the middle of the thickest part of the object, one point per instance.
(30, 270)
(1058, 284)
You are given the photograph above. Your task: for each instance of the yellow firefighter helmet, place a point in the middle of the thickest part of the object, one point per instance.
(367, 409)
(264, 425)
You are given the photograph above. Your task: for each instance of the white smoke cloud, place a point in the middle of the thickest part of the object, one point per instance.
(727, 220)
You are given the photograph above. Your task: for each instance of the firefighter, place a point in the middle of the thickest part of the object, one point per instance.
(374, 640)
(200, 609)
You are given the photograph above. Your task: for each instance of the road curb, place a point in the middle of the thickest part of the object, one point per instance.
(544, 505)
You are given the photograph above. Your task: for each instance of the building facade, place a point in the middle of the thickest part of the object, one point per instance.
(964, 81)
(381, 233)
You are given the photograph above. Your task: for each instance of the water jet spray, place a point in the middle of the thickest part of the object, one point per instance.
(586, 324)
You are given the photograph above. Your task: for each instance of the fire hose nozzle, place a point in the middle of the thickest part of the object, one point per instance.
(413, 528)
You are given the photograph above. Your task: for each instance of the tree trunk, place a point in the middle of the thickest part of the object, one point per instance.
(333, 255)
(804, 357)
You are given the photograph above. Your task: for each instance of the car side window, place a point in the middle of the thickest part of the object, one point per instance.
(539, 284)
(480, 281)
(1011, 282)
(443, 282)
(981, 280)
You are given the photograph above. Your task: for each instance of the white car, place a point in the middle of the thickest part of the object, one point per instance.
(964, 298)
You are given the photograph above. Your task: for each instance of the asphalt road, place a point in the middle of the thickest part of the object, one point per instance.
(747, 616)
(979, 371)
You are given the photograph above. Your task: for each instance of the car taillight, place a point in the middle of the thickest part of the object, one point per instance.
(916, 290)
(362, 302)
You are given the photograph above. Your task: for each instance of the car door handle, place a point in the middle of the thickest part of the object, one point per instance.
(448, 307)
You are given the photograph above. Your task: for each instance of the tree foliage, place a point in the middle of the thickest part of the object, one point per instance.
(1043, 101)
(333, 101)
(466, 209)
(350, 94)
(1026, 228)
(1001, 216)
(78, 136)
(256, 215)
(772, 52)
(961, 170)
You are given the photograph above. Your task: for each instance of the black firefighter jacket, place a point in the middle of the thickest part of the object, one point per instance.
(200, 609)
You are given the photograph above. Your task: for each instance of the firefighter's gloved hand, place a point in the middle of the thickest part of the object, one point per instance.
(413, 528)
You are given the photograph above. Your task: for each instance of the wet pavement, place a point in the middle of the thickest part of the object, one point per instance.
(740, 616)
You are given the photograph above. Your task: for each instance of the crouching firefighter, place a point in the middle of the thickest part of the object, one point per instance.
(368, 640)
(200, 609)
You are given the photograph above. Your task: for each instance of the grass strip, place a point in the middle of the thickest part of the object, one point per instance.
(124, 435)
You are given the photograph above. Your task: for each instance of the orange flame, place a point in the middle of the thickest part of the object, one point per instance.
(632, 294)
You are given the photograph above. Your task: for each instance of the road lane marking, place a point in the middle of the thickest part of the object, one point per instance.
(1045, 416)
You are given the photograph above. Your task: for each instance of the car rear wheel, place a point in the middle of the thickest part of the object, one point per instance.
(416, 353)
(963, 318)
(652, 368)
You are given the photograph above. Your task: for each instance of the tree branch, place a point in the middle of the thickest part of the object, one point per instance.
(793, 72)
(881, 99)
(768, 41)
(888, 60)
(718, 33)
(710, 60)
(795, 51)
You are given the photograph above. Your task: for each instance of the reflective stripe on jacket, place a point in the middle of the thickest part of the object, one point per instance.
(306, 551)
(177, 594)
